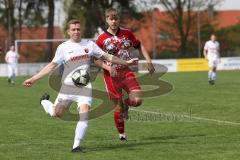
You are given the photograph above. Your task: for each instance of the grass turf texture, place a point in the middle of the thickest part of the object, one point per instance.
(28, 133)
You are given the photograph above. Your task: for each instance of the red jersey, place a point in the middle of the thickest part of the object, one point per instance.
(118, 44)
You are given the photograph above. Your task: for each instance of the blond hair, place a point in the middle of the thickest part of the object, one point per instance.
(111, 12)
(73, 21)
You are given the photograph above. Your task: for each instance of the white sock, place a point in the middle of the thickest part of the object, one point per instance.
(214, 76)
(48, 106)
(122, 135)
(210, 74)
(80, 131)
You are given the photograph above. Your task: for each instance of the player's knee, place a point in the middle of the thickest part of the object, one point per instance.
(117, 108)
(137, 102)
(57, 113)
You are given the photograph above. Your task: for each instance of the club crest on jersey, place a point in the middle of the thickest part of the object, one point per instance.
(86, 50)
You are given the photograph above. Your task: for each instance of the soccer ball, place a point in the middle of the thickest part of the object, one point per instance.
(80, 77)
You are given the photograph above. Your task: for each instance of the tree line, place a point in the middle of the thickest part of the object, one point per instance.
(182, 22)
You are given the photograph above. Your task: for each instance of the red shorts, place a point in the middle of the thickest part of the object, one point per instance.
(125, 80)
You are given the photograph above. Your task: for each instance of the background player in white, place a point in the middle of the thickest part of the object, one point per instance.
(12, 60)
(71, 50)
(211, 53)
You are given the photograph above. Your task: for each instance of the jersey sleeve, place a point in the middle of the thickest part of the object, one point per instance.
(135, 42)
(206, 46)
(99, 42)
(7, 55)
(58, 58)
(96, 50)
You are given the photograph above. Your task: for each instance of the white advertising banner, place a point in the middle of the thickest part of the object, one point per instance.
(229, 63)
(168, 65)
(24, 69)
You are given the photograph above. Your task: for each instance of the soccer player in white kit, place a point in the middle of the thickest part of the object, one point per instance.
(72, 50)
(12, 60)
(212, 54)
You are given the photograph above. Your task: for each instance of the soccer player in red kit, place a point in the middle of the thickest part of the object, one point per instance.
(118, 41)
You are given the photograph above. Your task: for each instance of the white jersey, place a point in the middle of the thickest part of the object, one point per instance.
(69, 52)
(74, 51)
(12, 57)
(212, 48)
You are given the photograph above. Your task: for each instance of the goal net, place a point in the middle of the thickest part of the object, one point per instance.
(34, 54)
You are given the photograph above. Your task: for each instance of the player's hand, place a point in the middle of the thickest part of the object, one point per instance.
(28, 82)
(113, 72)
(151, 68)
(132, 61)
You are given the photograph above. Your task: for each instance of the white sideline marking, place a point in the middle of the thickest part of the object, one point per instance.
(190, 117)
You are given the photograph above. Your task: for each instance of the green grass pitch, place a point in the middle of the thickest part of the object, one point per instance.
(195, 121)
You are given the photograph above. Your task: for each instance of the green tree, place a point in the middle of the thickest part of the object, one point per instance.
(50, 28)
(20, 3)
(91, 12)
(33, 13)
(229, 39)
(29, 13)
(7, 17)
(182, 18)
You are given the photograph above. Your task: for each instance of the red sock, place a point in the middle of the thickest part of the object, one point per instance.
(119, 122)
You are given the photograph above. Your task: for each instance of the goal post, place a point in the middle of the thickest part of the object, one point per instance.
(33, 53)
(26, 68)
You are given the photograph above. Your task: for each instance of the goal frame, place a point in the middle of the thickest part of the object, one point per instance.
(17, 41)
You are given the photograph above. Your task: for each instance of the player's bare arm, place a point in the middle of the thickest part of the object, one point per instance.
(45, 71)
(117, 60)
(6, 59)
(205, 53)
(218, 54)
(145, 54)
(103, 65)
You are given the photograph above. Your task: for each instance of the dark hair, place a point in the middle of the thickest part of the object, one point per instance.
(111, 12)
(73, 21)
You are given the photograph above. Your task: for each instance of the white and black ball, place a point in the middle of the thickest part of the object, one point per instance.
(80, 77)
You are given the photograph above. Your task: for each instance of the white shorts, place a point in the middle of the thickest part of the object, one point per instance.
(12, 70)
(81, 95)
(212, 62)
(66, 100)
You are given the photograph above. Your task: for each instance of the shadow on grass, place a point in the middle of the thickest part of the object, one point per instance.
(130, 144)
